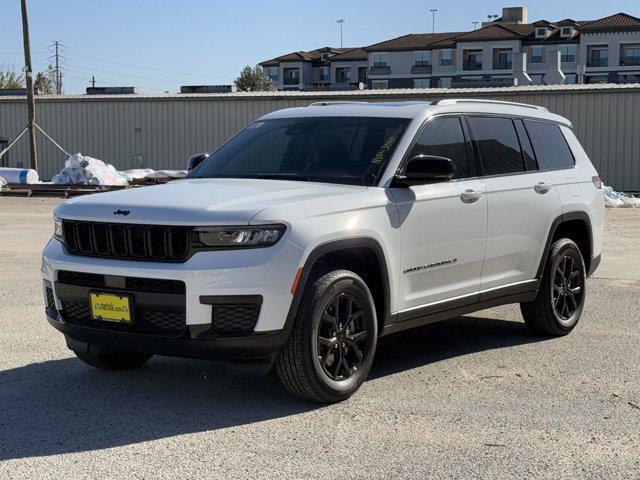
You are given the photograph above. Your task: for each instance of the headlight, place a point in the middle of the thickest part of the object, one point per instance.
(57, 228)
(240, 237)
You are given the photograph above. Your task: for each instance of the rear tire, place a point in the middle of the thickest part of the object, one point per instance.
(558, 306)
(115, 361)
(331, 347)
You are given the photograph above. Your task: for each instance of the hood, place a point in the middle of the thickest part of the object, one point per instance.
(220, 201)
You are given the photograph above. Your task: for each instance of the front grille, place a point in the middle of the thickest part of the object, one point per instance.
(81, 278)
(51, 303)
(146, 321)
(127, 241)
(235, 318)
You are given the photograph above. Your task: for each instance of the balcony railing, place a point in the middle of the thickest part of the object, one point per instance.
(379, 70)
(502, 65)
(472, 65)
(424, 68)
(598, 62)
(630, 61)
(291, 81)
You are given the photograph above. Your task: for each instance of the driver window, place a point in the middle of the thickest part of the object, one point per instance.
(444, 137)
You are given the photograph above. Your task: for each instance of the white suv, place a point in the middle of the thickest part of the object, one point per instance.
(315, 231)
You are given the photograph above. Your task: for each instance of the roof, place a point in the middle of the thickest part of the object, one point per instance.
(413, 41)
(415, 109)
(497, 31)
(618, 21)
(351, 55)
(304, 56)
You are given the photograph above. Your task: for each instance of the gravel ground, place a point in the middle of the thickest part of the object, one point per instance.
(473, 397)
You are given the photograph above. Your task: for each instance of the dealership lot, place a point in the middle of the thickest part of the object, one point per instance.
(473, 397)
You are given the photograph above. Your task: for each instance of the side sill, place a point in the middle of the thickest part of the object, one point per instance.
(454, 309)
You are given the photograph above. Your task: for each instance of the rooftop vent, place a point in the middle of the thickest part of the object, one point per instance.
(514, 15)
(208, 89)
(111, 90)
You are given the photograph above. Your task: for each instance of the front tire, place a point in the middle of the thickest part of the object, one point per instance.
(115, 361)
(558, 306)
(331, 347)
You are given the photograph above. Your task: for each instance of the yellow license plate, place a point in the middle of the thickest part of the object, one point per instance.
(110, 308)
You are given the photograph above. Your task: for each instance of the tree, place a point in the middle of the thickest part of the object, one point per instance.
(45, 82)
(254, 80)
(10, 79)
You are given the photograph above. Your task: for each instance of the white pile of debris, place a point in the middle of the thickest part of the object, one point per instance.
(613, 199)
(83, 170)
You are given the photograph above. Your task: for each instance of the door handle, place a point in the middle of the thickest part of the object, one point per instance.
(470, 196)
(542, 187)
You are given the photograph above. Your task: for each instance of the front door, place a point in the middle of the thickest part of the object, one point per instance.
(443, 225)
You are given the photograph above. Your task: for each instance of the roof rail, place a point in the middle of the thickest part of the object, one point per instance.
(453, 101)
(334, 102)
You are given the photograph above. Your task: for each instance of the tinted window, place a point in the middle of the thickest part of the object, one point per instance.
(443, 137)
(527, 149)
(351, 150)
(549, 144)
(497, 144)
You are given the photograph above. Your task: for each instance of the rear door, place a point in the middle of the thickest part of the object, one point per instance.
(522, 201)
(443, 225)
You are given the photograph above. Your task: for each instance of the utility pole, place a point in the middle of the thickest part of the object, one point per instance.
(31, 102)
(433, 19)
(93, 81)
(475, 25)
(342, 21)
(56, 47)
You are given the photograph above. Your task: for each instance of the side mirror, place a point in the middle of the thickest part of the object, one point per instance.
(196, 160)
(423, 169)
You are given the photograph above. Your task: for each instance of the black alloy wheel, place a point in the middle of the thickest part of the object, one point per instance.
(343, 338)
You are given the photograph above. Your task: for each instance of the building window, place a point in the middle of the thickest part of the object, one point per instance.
(472, 60)
(291, 76)
(421, 83)
(536, 79)
(380, 60)
(324, 57)
(323, 74)
(630, 55)
(568, 53)
(446, 58)
(421, 59)
(379, 84)
(362, 74)
(445, 82)
(343, 75)
(272, 72)
(541, 32)
(570, 78)
(536, 54)
(598, 56)
(502, 59)
(566, 32)
(598, 79)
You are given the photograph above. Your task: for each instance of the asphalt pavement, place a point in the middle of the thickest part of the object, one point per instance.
(472, 397)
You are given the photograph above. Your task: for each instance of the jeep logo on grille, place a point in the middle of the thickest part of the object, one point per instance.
(124, 213)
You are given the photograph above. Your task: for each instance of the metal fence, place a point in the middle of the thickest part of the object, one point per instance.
(161, 131)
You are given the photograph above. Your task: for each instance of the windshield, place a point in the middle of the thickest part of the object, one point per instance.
(348, 150)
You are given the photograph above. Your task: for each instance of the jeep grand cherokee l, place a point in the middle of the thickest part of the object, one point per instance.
(315, 231)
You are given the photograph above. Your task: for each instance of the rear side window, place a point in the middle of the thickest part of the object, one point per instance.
(550, 146)
(498, 145)
(443, 137)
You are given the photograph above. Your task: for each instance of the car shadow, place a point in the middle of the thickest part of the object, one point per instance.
(63, 406)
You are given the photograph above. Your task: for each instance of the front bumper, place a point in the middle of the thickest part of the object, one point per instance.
(266, 272)
(259, 347)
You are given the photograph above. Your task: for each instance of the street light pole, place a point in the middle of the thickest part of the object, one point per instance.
(31, 102)
(342, 21)
(433, 19)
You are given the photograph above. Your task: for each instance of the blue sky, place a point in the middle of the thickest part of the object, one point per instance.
(160, 45)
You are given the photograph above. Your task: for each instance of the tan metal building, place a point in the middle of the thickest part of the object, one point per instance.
(161, 131)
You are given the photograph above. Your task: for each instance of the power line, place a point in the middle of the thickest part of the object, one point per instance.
(141, 67)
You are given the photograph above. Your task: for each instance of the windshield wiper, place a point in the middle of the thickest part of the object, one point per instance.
(280, 176)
